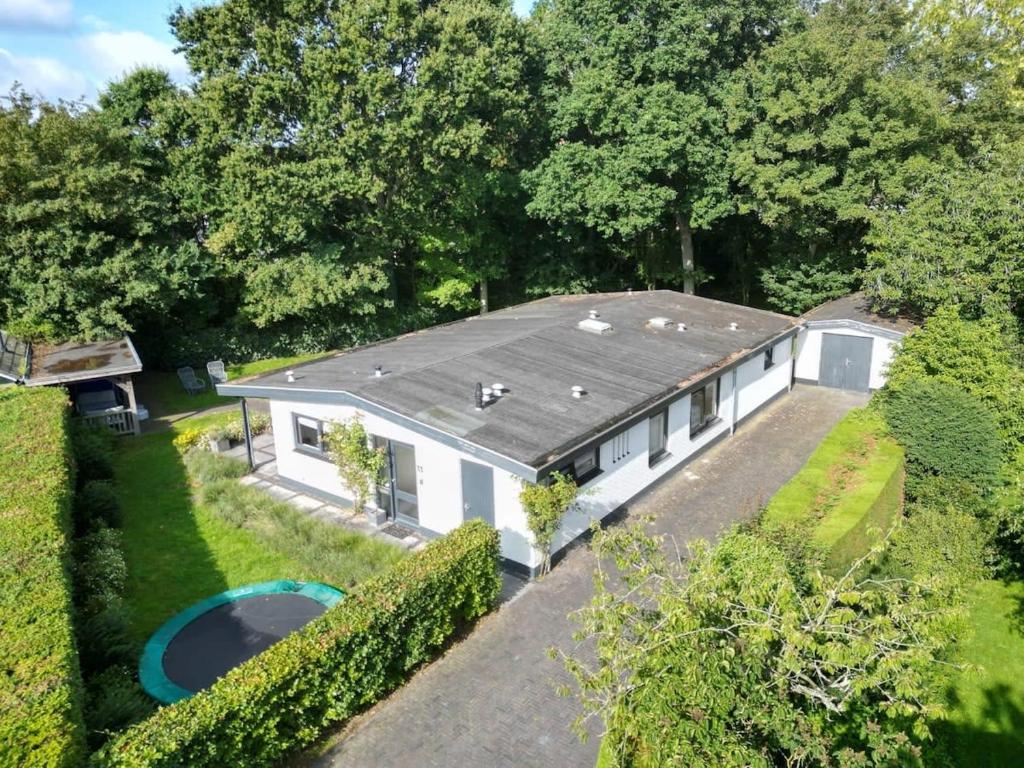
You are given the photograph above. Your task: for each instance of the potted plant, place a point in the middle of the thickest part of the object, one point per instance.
(219, 439)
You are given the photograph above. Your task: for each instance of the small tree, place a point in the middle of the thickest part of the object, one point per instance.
(546, 505)
(359, 464)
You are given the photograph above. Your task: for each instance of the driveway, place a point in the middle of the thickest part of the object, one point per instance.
(490, 702)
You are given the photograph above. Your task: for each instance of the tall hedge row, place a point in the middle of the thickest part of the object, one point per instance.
(40, 684)
(350, 657)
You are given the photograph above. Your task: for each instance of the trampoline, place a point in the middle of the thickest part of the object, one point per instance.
(199, 645)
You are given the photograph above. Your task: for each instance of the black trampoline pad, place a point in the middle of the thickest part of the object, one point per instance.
(223, 637)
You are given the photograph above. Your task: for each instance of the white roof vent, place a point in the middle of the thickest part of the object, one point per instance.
(290, 376)
(578, 391)
(734, 326)
(592, 325)
(594, 314)
(680, 326)
(659, 322)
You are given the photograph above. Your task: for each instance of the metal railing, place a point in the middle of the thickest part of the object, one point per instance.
(121, 421)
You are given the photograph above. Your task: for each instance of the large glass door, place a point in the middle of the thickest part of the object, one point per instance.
(396, 490)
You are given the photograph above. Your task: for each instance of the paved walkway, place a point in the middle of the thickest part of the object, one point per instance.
(490, 702)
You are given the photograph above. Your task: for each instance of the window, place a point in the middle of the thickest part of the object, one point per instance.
(620, 447)
(584, 467)
(769, 358)
(658, 437)
(703, 407)
(309, 434)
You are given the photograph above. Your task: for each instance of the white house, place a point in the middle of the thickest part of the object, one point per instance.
(615, 389)
(844, 344)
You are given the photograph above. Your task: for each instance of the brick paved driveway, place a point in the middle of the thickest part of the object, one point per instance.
(490, 701)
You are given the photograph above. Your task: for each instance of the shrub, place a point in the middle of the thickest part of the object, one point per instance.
(946, 431)
(359, 464)
(937, 542)
(189, 439)
(41, 692)
(100, 572)
(354, 654)
(93, 449)
(105, 639)
(546, 504)
(114, 700)
(96, 503)
(977, 356)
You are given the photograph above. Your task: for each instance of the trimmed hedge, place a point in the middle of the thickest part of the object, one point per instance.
(350, 657)
(852, 484)
(40, 683)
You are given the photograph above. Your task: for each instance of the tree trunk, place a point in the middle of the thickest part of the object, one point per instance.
(483, 296)
(686, 246)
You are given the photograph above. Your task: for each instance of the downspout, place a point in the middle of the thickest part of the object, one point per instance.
(735, 399)
(248, 434)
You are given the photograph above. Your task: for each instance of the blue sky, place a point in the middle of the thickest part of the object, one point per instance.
(70, 48)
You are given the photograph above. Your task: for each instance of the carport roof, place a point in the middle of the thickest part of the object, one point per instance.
(538, 353)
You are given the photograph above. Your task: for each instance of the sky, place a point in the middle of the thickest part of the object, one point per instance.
(70, 49)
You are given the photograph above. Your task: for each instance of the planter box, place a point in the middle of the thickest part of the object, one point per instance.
(376, 517)
(219, 446)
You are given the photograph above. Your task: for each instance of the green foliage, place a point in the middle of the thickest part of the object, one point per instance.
(114, 701)
(977, 355)
(546, 504)
(350, 657)
(939, 541)
(359, 463)
(93, 449)
(957, 240)
(40, 684)
(204, 467)
(844, 499)
(946, 431)
(726, 660)
(96, 503)
(636, 96)
(796, 284)
(90, 243)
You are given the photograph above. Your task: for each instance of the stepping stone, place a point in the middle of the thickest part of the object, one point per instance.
(250, 480)
(305, 503)
(279, 492)
(411, 541)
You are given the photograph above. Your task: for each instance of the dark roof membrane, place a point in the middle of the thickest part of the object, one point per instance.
(538, 353)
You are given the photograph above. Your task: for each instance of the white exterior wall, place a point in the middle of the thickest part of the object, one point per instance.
(808, 355)
(438, 469)
(438, 473)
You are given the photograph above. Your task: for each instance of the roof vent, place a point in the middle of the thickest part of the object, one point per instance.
(479, 396)
(594, 314)
(680, 326)
(578, 391)
(594, 326)
(659, 322)
(734, 326)
(498, 389)
(377, 372)
(290, 376)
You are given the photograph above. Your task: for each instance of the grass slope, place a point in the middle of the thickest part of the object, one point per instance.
(986, 723)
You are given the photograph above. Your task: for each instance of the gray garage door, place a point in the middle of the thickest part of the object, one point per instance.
(477, 491)
(845, 362)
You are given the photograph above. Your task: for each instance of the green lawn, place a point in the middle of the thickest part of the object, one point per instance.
(178, 552)
(986, 725)
(161, 391)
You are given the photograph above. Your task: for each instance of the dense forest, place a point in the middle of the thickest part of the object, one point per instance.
(335, 172)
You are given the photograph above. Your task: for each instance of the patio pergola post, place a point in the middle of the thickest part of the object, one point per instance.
(248, 434)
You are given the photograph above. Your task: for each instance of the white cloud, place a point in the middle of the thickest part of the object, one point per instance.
(109, 55)
(43, 76)
(35, 14)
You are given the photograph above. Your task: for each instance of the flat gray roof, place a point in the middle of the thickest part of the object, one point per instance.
(857, 307)
(538, 353)
(82, 361)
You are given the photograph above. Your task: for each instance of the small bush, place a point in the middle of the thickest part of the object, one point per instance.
(93, 449)
(938, 542)
(946, 431)
(357, 652)
(96, 503)
(189, 439)
(100, 572)
(114, 701)
(204, 467)
(105, 639)
(41, 688)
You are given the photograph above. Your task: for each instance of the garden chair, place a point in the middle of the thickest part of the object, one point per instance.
(216, 370)
(192, 383)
